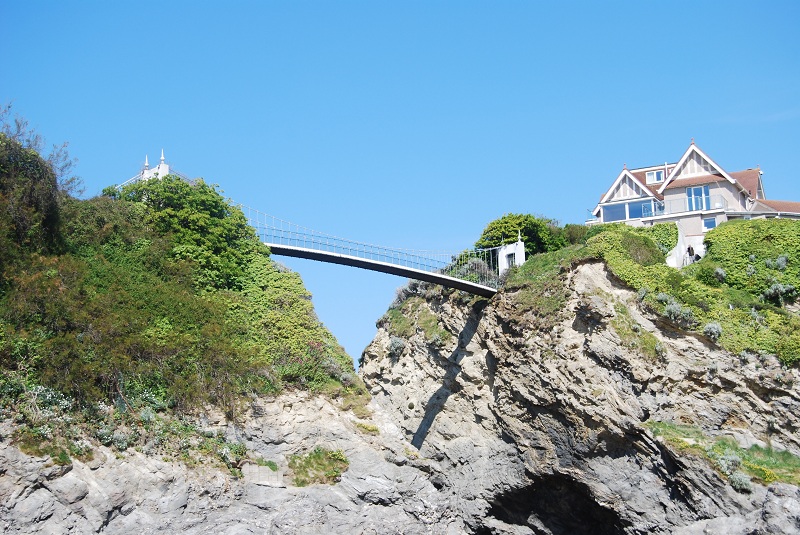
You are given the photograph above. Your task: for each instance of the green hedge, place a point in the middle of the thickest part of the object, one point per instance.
(746, 249)
(699, 295)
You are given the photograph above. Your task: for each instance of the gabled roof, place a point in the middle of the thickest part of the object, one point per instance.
(695, 168)
(624, 174)
(694, 149)
(641, 174)
(750, 180)
(782, 206)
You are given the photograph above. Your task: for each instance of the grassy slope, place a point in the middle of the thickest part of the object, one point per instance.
(699, 294)
(151, 305)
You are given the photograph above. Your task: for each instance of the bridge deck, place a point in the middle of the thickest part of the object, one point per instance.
(383, 267)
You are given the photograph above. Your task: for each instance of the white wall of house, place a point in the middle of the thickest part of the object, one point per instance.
(510, 255)
(722, 195)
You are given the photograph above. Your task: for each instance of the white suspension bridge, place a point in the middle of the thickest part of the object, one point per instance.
(471, 270)
(474, 271)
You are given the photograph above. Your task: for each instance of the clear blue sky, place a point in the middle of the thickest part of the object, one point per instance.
(408, 124)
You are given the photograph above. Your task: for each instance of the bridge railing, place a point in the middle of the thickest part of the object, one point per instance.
(478, 266)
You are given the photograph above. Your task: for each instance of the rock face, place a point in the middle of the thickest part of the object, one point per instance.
(541, 432)
(381, 492)
(497, 427)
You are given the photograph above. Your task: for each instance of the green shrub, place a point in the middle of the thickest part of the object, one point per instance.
(356, 399)
(740, 482)
(29, 199)
(779, 293)
(696, 296)
(368, 429)
(396, 346)
(575, 234)
(634, 337)
(161, 297)
(664, 235)
(539, 234)
(400, 321)
(756, 251)
(713, 331)
(765, 464)
(729, 463)
(641, 249)
(537, 287)
(320, 465)
(272, 465)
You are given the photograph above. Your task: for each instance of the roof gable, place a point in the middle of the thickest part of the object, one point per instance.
(695, 162)
(626, 186)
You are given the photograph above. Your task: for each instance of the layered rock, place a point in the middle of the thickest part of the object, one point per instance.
(541, 431)
(381, 492)
(488, 423)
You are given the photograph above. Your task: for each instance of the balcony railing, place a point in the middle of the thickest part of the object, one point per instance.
(689, 204)
(665, 208)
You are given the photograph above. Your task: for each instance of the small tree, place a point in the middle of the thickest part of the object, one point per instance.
(539, 234)
(207, 230)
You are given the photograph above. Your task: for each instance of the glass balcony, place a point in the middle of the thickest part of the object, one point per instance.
(639, 209)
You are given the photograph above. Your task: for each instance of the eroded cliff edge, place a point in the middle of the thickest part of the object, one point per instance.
(534, 428)
(488, 417)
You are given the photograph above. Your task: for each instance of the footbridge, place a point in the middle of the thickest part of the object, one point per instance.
(473, 271)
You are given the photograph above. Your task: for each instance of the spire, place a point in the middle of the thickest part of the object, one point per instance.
(692, 141)
(146, 165)
(162, 155)
(519, 235)
(624, 166)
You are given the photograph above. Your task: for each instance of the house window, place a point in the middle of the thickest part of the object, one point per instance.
(709, 223)
(511, 260)
(698, 199)
(640, 209)
(614, 212)
(654, 177)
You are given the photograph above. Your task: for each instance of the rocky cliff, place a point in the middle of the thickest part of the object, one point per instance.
(381, 492)
(544, 430)
(485, 419)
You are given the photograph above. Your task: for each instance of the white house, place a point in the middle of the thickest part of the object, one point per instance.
(696, 193)
(510, 255)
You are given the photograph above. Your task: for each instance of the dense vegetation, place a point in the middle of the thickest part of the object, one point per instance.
(157, 298)
(735, 296)
(539, 234)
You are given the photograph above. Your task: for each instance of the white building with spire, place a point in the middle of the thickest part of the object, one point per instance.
(161, 170)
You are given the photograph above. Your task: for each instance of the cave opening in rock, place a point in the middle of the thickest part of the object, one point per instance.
(558, 505)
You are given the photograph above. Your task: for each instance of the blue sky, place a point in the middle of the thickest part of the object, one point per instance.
(406, 124)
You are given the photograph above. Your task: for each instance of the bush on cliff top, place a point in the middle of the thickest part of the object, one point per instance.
(738, 303)
(538, 233)
(164, 289)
